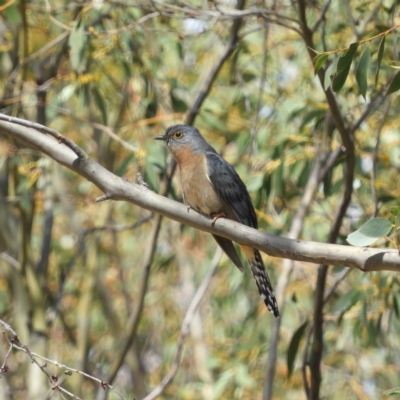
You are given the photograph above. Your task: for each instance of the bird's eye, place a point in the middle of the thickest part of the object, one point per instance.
(178, 135)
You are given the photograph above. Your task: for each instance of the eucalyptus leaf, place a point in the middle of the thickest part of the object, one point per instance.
(380, 55)
(294, 347)
(319, 61)
(395, 84)
(393, 392)
(370, 232)
(358, 239)
(347, 301)
(339, 79)
(328, 74)
(346, 59)
(362, 72)
(100, 103)
(77, 42)
(395, 210)
(376, 227)
(255, 183)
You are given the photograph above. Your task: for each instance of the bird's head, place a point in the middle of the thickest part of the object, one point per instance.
(179, 137)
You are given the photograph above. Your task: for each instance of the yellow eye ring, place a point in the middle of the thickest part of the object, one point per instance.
(178, 134)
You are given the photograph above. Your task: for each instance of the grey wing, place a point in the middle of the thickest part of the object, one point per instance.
(231, 189)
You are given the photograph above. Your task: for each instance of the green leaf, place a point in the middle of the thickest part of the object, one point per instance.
(221, 384)
(380, 55)
(347, 301)
(179, 49)
(393, 391)
(77, 42)
(370, 232)
(346, 59)
(329, 72)
(386, 198)
(396, 306)
(363, 311)
(294, 346)
(11, 13)
(376, 227)
(178, 104)
(256, 183)
(372, 333)
(278, 176)
(395, 85)
(339, 79)
(358, 239)
(395, 210)
(362, 71)
(303, 177)
(100, 103)
(294, 297)
(328, 184)
(343, 67)
(66, 93)
(319, 61)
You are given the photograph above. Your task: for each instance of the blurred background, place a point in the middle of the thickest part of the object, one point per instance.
(104, 287)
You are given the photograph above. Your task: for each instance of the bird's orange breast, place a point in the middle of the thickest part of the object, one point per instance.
(197, 190)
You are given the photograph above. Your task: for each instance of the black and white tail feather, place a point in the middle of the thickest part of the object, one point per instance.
(263, 283)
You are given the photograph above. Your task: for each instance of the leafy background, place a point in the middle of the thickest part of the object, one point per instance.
(111, 76)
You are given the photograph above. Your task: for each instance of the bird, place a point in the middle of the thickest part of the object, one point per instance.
(212, 187)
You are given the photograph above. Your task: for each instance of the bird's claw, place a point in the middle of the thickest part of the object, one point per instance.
(215, 217)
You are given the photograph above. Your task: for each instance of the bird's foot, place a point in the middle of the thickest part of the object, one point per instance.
(189, 208)
(216, 216)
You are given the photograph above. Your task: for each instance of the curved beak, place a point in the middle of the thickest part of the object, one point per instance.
(161, 137)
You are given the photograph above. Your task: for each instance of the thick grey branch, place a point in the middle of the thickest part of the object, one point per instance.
(117, 188)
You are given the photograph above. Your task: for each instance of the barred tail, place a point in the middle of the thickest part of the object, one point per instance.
(262, 280)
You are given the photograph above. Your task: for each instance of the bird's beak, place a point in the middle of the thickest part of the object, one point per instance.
(161, 137)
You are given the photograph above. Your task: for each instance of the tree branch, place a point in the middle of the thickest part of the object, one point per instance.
(117, 188)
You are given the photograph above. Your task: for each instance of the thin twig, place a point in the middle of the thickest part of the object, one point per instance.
(321, 16)
(99, 126)
(4, 367)
(226, 13)
(10, 260)
(52, 379)
(58, 23)
(48, 131)
(130, 26)
(372, 106)
(351, 20)
(342, 276)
